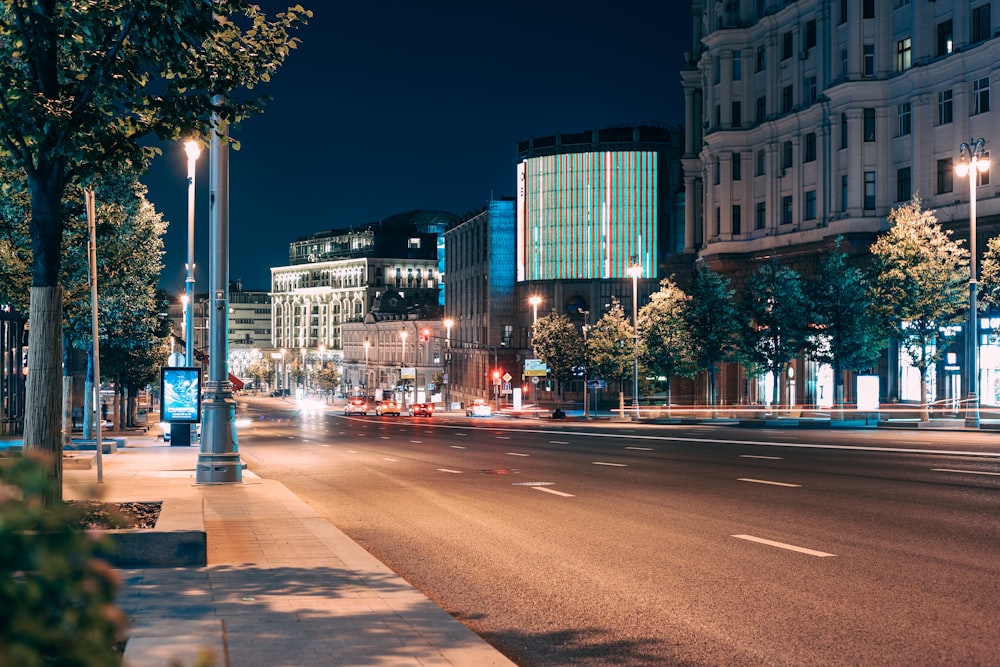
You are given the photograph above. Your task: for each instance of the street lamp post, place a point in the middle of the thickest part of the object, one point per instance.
(193, 150)
(402, 363)
(367, 345)
(586, 361)
(972, 163)
(635, 271)
(534, 301)
(448, 324)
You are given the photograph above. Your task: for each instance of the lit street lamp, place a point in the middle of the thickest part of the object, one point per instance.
(534, 301)
(193, 150)
(972, 163)
(635, 271)
(365, 382)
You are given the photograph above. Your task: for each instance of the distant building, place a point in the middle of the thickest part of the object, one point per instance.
(335, 276)
(480, 302)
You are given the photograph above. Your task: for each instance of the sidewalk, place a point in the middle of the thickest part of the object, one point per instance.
(282, 587)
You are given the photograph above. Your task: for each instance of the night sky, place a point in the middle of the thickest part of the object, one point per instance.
(392, 106)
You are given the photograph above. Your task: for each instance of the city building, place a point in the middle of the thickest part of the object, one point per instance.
(811, 120)
(335, 276)
(481, 309)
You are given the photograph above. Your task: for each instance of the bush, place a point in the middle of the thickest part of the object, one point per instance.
(56, 593)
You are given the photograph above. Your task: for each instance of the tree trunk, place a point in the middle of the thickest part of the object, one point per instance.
(924, 412)
(42, 423)
(668, 396)
(115, 411)
(838, 392)
(89, 408)
(776, 392)
(621, 401)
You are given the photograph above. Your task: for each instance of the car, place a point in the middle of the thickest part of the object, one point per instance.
(421, 409)
(387, 407)
(356, 406)
(479, 408)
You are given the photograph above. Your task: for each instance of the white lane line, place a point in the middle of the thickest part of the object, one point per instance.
(756, 456)
(516, 454)
(965, 472)
(764, 481)
(291, 437)
(389, 459)
(324, 445)
(503, 437)
(782, 545)
(642, 449)
(458, 447)
(385, 437)
(616, 465)
(558, 442)
(352, 451)
(553, 491)
(417, 442)
(457, 472)
(462, 434)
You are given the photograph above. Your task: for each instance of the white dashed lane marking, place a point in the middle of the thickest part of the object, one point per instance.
(553, 491)
(614, 465)
(782, 545)
(965, 472)
(764, 481)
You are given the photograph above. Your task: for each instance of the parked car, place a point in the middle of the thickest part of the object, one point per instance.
(479, 408)
(356, 406)
(421, 409)
(387, 407)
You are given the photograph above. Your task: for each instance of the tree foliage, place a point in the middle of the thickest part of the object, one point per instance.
(665, 335)
(56, 595)
(713, 323)
(777, 315)
(989, 275)
(920, 285)
(848, 334)
(559, 344)
(84, 84)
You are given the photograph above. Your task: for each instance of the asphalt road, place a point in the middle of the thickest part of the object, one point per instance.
(585, 544)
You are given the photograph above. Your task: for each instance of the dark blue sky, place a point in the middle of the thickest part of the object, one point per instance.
(392, 106)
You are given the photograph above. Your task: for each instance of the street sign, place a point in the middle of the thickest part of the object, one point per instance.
(507, 378)
(535, 367)
(597, 384)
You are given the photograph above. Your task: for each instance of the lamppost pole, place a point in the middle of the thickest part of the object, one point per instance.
(448, 323)
(367, 345)
(635, 270)
(972, 163)
(402, 363)
(219, 458)
(193, 150)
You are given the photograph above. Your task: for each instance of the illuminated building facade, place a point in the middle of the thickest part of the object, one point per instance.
(810, 120)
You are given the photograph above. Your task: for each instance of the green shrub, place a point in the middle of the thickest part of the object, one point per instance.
(56, 593)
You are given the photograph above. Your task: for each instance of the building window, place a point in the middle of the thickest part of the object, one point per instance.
(737, 66)
(737, 220)
(717, 70)
(413, 243)
(843, 130)
(903, 54)
(945, 176)
(737, 167)
(761, 58)
(980, 95)
(945, 42)
(760, 218)
(869, 190)
(718, 221)
(844, 180)
(786, 155)
(718, 170)
(868, 60)
(869, 125)
(761, 104)
(761, 157)
(809, 151)
(944, 107)
(737, 118)
(867, 9)
(980, 27)
(786, 210)
(843, 12)
(809, 206)
(786, 45)
(810, 90)
(903, 116)
(810, 33)
(786, 99)
(903, 191)
(843, 64)
(718, 115)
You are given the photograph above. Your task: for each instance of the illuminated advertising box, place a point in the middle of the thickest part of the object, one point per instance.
(180, 394)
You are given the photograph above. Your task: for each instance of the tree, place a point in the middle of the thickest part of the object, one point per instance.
(713, 323)
(776, 313)
(920, 285)
(611, 349)
(667, 345)
(848, 334)
(560, 346)
(989, 275)
(84, 85)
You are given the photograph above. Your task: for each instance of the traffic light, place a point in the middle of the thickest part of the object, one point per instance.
(496, 377)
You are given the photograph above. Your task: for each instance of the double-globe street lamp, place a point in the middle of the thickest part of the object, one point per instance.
(973, 161)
